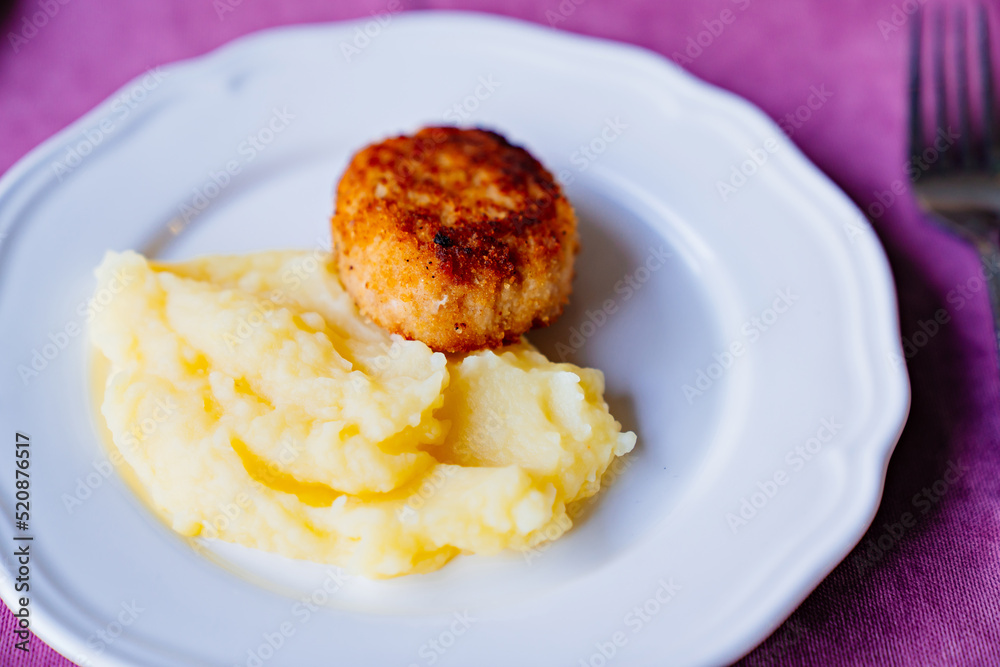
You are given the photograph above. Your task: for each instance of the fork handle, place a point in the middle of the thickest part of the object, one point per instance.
(981, 228)
(989, 256)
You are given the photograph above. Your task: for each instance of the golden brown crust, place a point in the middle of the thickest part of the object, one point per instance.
(454, 237)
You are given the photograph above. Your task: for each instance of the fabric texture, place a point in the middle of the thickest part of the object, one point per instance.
(923, 586)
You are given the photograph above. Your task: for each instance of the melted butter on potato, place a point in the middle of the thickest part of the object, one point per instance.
(252, 382)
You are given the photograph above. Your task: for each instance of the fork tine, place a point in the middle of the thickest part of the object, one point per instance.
(940, 82)
(990, 157)
(916, 106)
(962, 71)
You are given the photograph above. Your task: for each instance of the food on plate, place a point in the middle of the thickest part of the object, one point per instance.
(257, 399)
(454, 237)
(256, 405)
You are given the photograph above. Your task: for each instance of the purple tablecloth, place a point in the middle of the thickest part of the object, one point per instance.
(923, 586)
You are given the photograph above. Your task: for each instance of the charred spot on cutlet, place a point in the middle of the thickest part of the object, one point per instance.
(443, 240)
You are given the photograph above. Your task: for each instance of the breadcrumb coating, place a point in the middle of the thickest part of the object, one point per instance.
(454, 237)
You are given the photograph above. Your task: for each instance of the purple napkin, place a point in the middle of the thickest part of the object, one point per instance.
(923, 586)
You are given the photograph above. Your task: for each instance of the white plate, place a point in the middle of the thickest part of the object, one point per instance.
(642, 147)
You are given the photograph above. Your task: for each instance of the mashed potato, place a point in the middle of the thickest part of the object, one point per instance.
(256, 406)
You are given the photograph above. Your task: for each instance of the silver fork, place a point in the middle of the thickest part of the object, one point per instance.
(957, 183)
